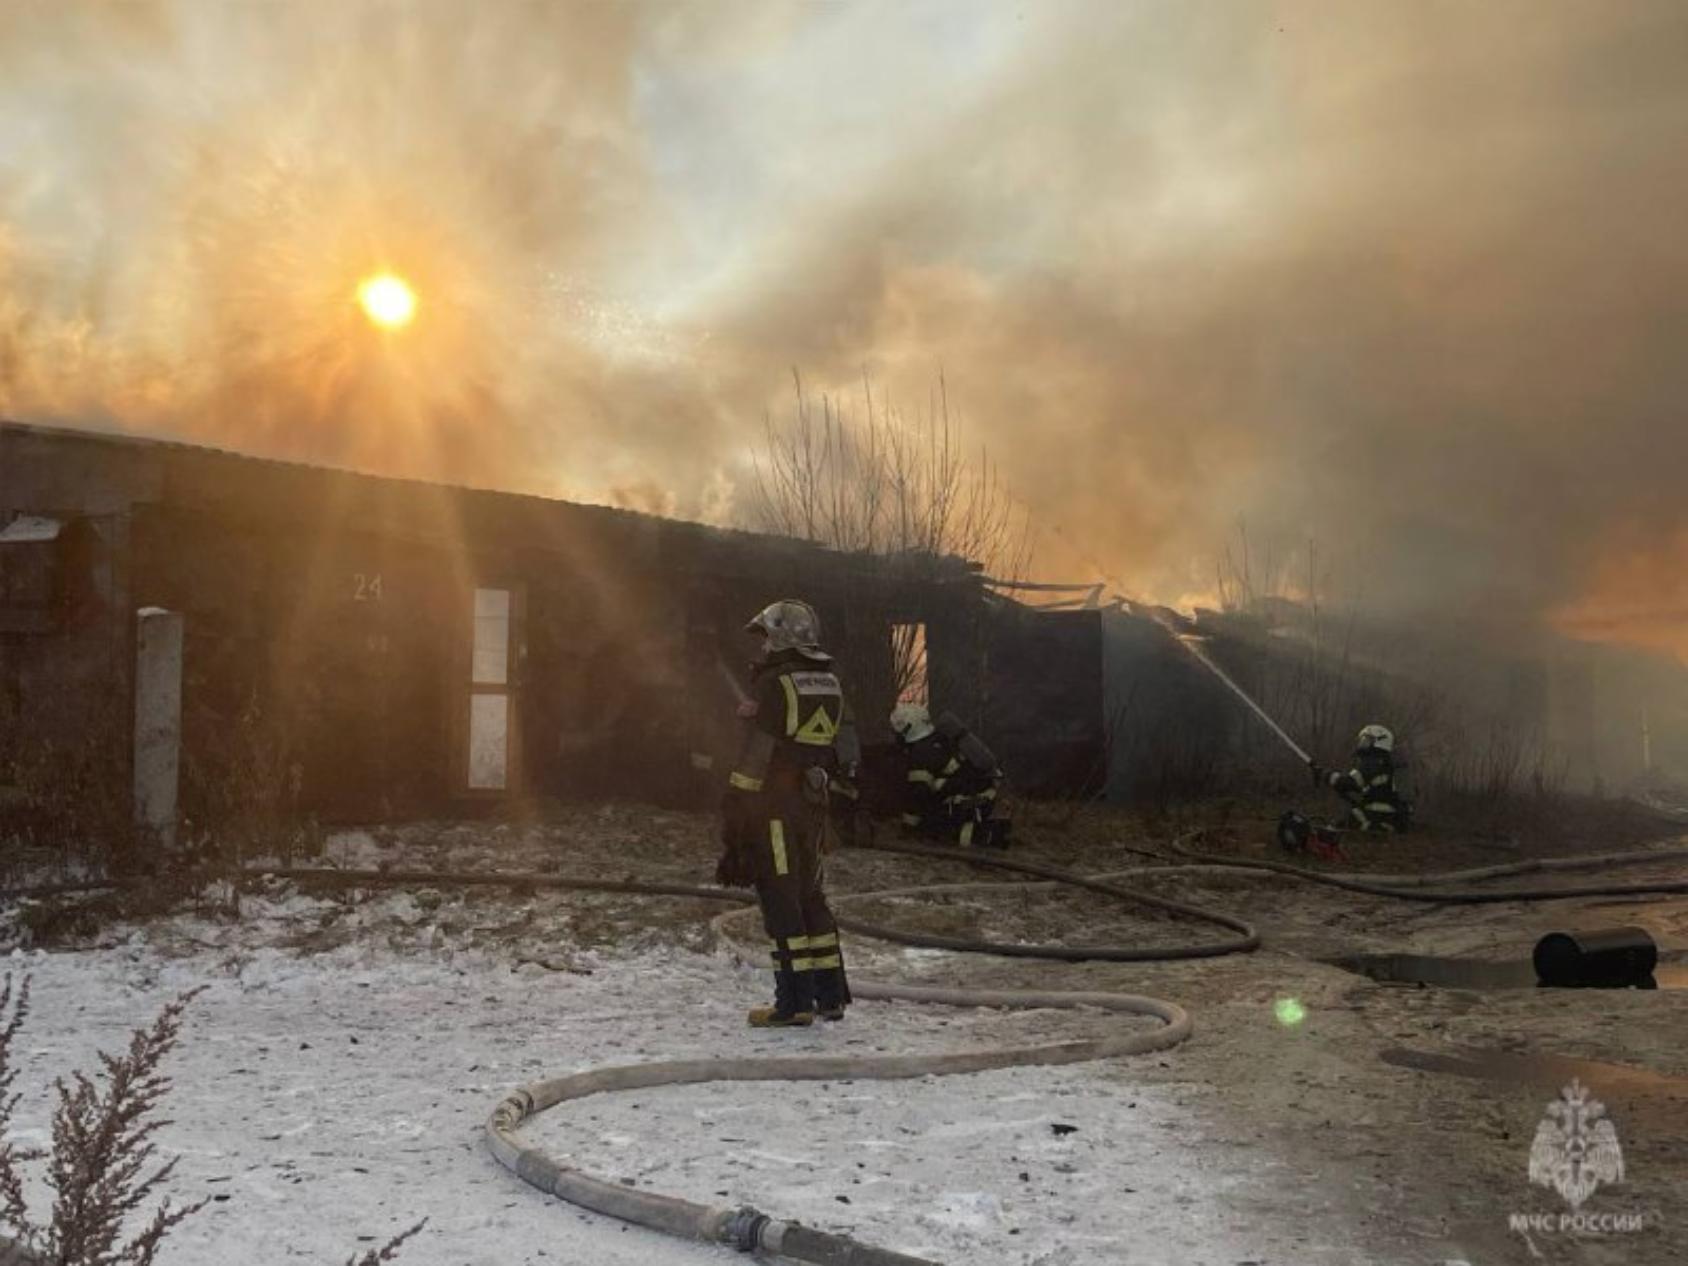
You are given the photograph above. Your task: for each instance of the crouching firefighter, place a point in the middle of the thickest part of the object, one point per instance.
(952, 779)
(1374, 802)
(798, 734)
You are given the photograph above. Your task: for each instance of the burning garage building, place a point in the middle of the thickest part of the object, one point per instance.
(384, 648)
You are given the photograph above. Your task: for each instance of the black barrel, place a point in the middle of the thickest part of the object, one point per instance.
(1610, 958)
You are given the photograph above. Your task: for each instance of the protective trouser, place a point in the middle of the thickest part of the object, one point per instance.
(807, 959)
(964, 820)
(1369, 788)
(1379, 814)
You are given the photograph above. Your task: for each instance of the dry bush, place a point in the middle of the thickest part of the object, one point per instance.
(1460, 749)
(886, 485)
(101, 1164)
(389, 1251)
(903, 491)
(241, 793)
(65, 805)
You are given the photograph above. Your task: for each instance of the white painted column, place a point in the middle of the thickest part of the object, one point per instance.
(158, 723)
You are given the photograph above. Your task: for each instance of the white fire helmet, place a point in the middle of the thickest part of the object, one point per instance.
(1377, 736)
(788, 625)
(910, 722)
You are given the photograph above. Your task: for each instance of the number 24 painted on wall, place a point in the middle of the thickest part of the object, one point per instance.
(366, 588)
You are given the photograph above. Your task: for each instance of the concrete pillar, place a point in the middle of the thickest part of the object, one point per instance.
(158, 723)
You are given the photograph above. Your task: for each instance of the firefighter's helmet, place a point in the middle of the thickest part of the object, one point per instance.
(788, 625)
(911, 722)
(1377, 736)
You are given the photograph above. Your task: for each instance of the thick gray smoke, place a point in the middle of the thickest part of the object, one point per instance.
(1406, 280)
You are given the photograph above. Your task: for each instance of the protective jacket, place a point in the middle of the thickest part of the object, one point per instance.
(1369, 788)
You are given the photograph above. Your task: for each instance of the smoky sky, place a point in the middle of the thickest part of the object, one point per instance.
(1408, 282)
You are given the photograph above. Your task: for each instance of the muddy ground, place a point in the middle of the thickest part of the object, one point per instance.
(1397, 1117)
(1406, 1111)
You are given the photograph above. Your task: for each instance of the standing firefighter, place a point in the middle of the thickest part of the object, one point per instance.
(798, 735)
(1375, 804)
(952, 778)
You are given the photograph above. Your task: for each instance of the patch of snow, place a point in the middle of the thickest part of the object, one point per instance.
(353, 850)
(321, 1098)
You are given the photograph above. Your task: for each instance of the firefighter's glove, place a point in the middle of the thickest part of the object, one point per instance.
(730, 870)
(735, 815)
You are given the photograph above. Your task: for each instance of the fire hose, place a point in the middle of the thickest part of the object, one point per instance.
(748, 1229)
(1416, 887)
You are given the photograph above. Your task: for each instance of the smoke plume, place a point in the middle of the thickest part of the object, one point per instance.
(1406, 281)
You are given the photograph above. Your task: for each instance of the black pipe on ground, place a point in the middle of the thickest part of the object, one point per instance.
(1609, 958)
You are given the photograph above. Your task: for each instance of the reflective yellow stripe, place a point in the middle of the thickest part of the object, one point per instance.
(845, 790)
(911, 819)
(825, 941)
(950, 768)
(922, 775)
(967, 833)
(776, 833)
(802, 964)
(818, 730)
(989, 794)
(790, 688)
(744, 782)
(825, 961)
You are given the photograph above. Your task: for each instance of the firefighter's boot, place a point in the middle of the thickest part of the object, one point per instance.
(794, 1003)
(832, 992)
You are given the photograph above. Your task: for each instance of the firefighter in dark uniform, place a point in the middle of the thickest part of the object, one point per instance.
(798, 736)
(952, 779)
(1374, 802)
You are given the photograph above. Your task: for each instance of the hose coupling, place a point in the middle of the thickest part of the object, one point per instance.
(515, 1108)
(743, 1230)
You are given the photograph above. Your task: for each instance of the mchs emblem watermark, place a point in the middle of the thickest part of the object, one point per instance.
(1575, 1153)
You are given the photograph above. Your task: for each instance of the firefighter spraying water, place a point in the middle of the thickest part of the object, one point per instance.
(1375, 804)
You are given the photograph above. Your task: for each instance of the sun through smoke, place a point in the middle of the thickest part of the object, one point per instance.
(387, 300)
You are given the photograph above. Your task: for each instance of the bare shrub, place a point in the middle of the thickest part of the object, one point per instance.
(101, 1164)
(241, 794)
(65, 804)
(389, 1251)
(902, 490)
(1323, 674)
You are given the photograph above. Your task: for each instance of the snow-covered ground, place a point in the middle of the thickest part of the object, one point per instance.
(328, 1097)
